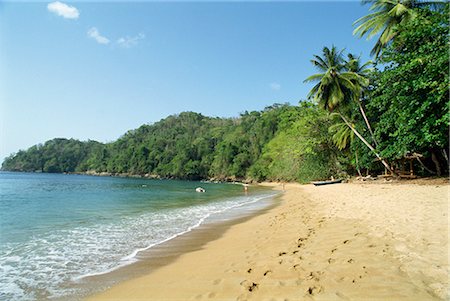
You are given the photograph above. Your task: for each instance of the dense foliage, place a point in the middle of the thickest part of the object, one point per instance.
(54, 156)
(192, 146)
(411, 95)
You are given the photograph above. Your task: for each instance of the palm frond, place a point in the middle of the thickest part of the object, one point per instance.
(314, 78)
(342, 135)
(383, 18)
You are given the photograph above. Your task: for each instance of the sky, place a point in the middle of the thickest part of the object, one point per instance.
(94, 70)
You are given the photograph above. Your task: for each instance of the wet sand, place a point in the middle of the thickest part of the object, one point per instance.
(335, 242)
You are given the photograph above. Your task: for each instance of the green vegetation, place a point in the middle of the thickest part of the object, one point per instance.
(364, 117)
(411, 95)
(54, 156)
(192, 146)
(387, 16)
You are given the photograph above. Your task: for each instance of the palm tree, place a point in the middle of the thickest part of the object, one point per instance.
(354, 64)
(385, 16)
(335, 85)
(335, 88)
(342, 137)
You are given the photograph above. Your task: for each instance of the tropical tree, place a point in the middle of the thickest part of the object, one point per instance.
(336, 88)
(343, 137)
(354, 64)
(410, 96)
(385, 16)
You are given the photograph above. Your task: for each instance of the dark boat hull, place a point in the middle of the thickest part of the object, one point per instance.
(320, 183)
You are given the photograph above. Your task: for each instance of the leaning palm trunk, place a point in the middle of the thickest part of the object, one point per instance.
(445, 155)
(366, 143)
(357, 163)
(363, 113)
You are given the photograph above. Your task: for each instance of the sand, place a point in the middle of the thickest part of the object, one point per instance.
(334, 242)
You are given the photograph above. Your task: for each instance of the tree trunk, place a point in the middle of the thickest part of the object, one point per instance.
(436, 163)
(363, 113)
(357, 164)
(366, 143)
(426, 168)
(445, 155)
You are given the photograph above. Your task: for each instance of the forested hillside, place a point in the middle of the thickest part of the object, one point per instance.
(268, 144)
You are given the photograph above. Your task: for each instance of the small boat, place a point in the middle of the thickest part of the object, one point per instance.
(320, 183)
(200, 189)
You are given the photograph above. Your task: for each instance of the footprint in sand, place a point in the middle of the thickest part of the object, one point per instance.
(267, 272)
(249, 285)
(314, 275)
(217, 281)
(314, 290)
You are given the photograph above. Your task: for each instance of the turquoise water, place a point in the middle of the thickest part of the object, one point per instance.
(57, 229)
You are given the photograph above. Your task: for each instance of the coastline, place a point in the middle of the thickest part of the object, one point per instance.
(346, 241)
(164, 253)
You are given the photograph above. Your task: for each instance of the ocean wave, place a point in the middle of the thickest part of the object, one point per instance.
(44, 266)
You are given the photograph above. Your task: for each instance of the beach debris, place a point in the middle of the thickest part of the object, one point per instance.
(249, 285)
(200, 189)
(314, 290)
(252, 287)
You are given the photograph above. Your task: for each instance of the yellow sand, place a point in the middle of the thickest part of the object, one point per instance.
(334, 242)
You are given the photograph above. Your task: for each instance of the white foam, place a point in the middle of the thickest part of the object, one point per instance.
(46, 264)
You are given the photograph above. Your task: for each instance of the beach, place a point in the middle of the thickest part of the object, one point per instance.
(352, 241)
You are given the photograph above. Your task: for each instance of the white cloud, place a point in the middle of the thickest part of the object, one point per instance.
(63, 10)
(93, 33)
(128, 42)
(275, 86)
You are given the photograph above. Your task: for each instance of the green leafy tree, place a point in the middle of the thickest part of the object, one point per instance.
(337, 88)
(385, 17)
(411, 95)
(343, 137)
(301, 150)
(354, 64)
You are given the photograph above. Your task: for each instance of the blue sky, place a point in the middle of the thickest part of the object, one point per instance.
(95, 70)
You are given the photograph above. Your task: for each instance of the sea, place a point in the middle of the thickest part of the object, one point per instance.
(58, 229)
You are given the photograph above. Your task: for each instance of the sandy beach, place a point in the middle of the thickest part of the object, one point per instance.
(352, 241)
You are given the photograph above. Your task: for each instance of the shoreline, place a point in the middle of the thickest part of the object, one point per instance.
(161, 254)
(345, 241)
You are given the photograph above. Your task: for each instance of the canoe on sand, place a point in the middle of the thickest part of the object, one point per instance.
(326, 182)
